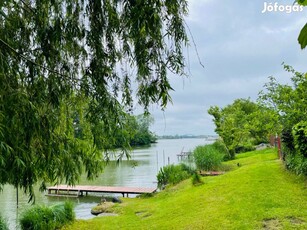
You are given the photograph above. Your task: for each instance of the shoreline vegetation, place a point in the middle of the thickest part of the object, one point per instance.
(256, 193)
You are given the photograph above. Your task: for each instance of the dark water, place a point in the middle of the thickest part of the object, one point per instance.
(139, 171)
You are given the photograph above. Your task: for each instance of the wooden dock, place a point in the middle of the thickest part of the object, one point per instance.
(79, 190)
(184, 155)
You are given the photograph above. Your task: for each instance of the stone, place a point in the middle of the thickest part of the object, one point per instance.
(102, 208)
(116, 200)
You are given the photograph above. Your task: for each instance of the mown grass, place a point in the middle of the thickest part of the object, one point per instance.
(257, 194)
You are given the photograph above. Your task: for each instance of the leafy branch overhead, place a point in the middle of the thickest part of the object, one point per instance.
(302, 2)
(68, 72)
(302, 38)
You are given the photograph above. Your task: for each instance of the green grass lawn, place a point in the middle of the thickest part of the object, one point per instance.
(259, 194)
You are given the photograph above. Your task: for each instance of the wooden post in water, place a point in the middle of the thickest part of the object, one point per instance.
(17, 200)
(157, 162)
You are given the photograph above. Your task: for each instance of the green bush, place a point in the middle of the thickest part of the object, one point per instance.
(172, 174)
(220, 146)
(196, 179)
(207, 157)
(244, 149)
(300, 138)
(187, 168)
(145, 195)
(69, 211)
(294, 148)
(47, 218)
(3, 224)
(296, 163)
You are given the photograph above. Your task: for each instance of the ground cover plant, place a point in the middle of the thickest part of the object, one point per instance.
(257, 194)
(3, 224)
(220, 146)
(47, 218)
(208, 157)
(173, 174)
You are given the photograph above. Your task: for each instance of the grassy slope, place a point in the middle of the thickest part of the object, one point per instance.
(259, 194)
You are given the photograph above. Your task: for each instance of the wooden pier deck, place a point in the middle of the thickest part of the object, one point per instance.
(80, 189)
(184, 155)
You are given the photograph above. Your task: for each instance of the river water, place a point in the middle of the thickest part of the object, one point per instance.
(139, 171)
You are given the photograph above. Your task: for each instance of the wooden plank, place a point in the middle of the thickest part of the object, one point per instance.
(62, 195)
(103, 189)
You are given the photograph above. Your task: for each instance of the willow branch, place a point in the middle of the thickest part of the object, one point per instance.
(29, 60)
(196, 50)
(29, 7)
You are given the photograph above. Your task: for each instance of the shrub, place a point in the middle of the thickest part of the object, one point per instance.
(69, 211)
(296, 163)
(47, 218)
(3, 224)
(207, 157)
(294, 147)
(145, 195)
(287, 140)
(244, 149)
(172, 174)
(300, 138)
(187, 168)
(220, 146)
(196, 179)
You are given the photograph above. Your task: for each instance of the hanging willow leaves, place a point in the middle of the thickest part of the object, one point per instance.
(66, 73)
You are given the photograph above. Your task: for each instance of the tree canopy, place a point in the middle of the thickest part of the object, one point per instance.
(289, 104)
(67, 75)
(243, 124)
(136, 132)
(280, 109)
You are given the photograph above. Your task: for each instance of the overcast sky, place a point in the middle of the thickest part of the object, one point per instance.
(240, 48)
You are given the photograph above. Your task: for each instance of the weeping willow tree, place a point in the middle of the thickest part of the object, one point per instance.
(69, 71)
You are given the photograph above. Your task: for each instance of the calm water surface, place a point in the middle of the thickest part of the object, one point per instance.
(139, 171)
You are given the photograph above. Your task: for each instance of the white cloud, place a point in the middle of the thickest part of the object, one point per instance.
(240, 47)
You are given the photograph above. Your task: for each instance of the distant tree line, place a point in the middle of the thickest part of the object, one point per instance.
(183, 136)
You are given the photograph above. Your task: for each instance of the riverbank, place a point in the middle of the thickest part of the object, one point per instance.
(260, 194)
(139, 171)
